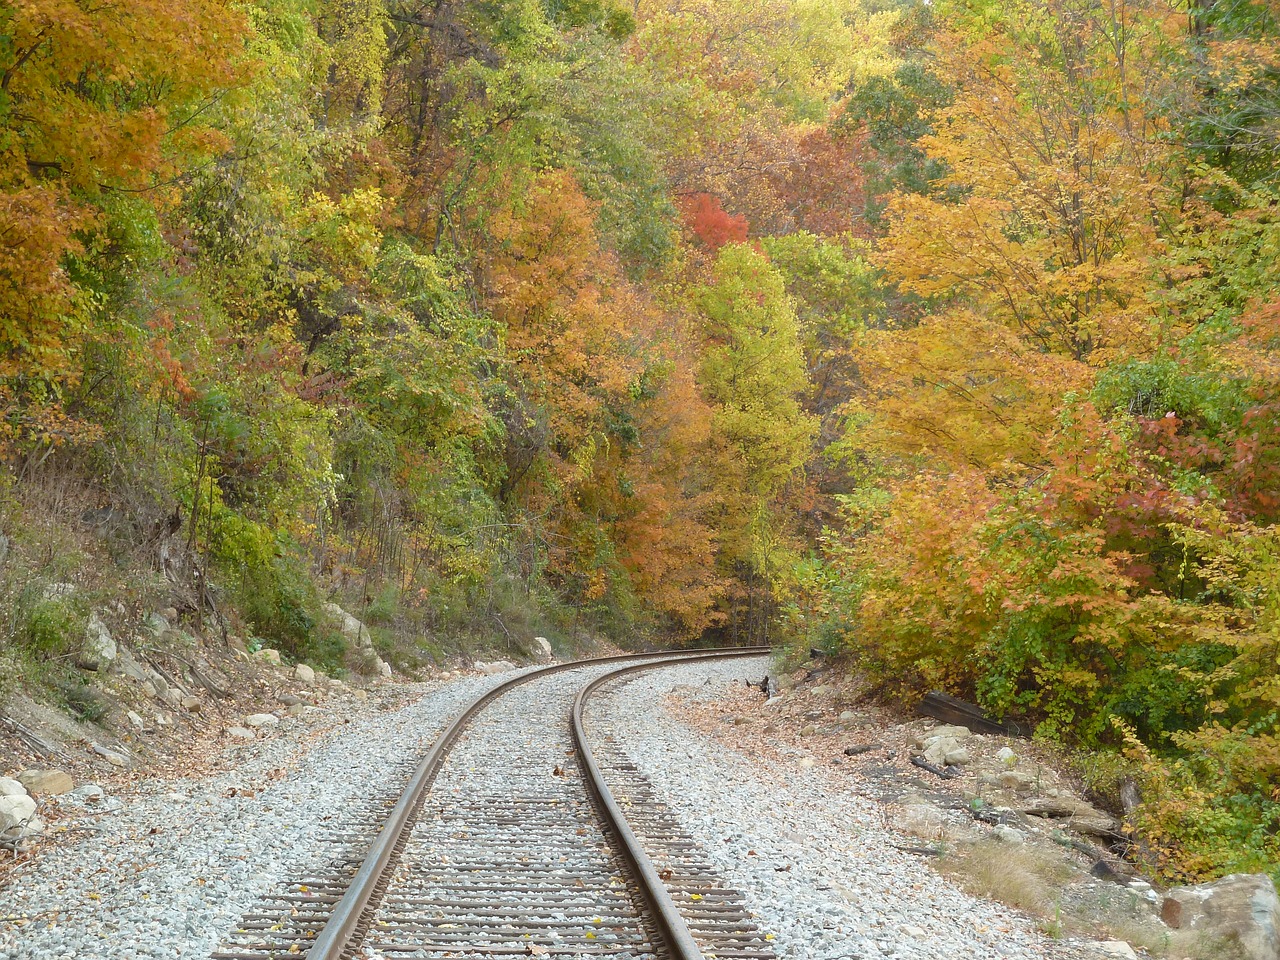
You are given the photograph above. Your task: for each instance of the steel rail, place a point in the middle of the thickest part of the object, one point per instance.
(351, 914)
(672, 928)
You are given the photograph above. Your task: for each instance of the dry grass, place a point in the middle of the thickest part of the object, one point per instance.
(1026, 877)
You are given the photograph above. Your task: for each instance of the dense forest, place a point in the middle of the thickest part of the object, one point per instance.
(943, 335)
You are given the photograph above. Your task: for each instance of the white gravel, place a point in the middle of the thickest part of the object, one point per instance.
(176, 865)
(825, 878)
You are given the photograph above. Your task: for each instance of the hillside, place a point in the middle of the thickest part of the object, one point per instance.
(938, 336)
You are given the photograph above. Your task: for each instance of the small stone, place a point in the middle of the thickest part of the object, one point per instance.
(957, 757)
(914, 932)
(288, 699)
(191, 704)
(137, 721)
(847, 716)
(89, 793)
(46, 783)
(241, 733)
(741, 721)
(304, 674)
(808, 730)
(821, 690)
(256, 720)
(268, 655)
(11, 788)
(111, 756)
(1007, 756)
(297, 709)
(382, 668)
(807, 763)
(1007, 834)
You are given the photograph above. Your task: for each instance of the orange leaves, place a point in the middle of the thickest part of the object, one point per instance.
(710, 223)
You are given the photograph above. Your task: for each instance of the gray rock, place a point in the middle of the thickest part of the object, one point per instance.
(241, 733)
(268, 655)
(46, 783)
(112, 757)
(288, 699)
(256, 720)
(155, 624)
(11, 788)
(304, 674)
(17, 816)
(137, 721)
(847, 716)
(191, 704)
(355, 631)
(99, 649)
(1007, 834)
(544, 650)
(89, 793)
(382, 668)
(1242, 909)
(938, 749)
(1007, 756)
(58, 591)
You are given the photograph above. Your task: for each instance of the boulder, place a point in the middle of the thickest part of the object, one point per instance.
(46, 783)
(256, 720)
(1241, 909)
(155, 624)
(382, 669)
(355, 631)
(543, 649)
(99, 648)
(304, 674)
(11, 788)
(268, 655)
(18, 818)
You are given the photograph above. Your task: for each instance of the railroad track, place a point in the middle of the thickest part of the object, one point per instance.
(510, 840)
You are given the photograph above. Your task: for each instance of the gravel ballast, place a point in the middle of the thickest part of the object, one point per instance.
(177, 862)
(819, 868)
(169, 869)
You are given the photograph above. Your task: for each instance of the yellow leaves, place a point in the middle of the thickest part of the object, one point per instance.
(962, 389)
